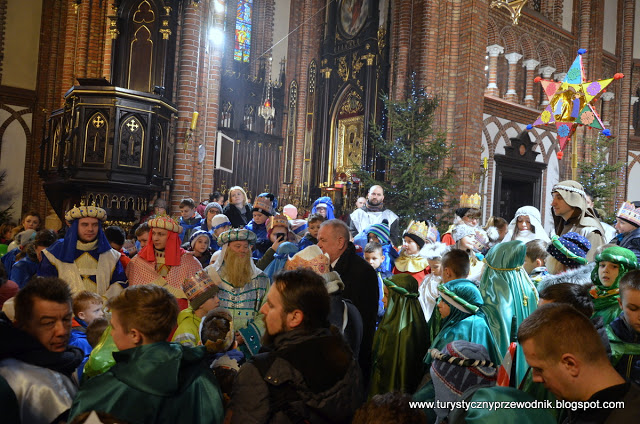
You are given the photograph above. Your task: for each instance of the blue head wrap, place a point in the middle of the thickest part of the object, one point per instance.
(285, 251)
(71, 240)
(326, 200)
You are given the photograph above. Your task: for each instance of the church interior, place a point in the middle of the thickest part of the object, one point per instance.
(120, 102)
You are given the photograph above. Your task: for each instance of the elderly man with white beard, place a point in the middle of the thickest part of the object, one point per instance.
(242, 287)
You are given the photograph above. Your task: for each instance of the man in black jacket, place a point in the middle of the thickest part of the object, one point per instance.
(360, 282)
(309, 374)
(36, 363)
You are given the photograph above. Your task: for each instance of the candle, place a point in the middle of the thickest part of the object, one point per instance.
(194, 120)
(485, 163)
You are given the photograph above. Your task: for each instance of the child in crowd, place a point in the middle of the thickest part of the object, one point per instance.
(199, 244)
(6, 233)
(142, 235)
(262, 210)
(428, 290)
(25, 268)
(298, 226)
(87, 307)
(219, 224)
(628, 226)
(374, 256)
(238, 209)
(409, 259)
(152, 380)
(31, 220)
(535, 259)
(474, 241)
(401, 340)
(323, 206)
(117, 237)
(611, 265)
(380, 233)
(190, 220)
(624, 331)
(95, 330)
(567, 252)
(202, 293)
(311, 237)
(218, 337)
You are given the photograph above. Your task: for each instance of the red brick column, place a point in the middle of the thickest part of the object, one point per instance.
(494, 51)
(512, 59)
(530, 65)
(185, 161)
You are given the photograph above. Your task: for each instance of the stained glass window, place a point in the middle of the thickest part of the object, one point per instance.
(243, 30)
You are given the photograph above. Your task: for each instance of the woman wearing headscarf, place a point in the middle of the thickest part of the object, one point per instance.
(526, 226)
(401, 340)
(508, 293)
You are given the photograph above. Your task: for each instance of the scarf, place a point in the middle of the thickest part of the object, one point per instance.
(372, 208)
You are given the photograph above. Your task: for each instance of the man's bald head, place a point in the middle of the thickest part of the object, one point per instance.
(376, 195)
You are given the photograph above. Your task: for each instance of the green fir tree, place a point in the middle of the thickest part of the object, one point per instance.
(598, 176)
(416, 183)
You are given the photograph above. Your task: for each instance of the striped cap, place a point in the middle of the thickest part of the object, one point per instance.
(83, 211)
(381, 231)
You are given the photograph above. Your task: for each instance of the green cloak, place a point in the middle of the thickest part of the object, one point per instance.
(507, 292)
(159, 382)
(401, 340)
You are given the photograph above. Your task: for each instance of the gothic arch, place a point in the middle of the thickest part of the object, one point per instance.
(528, 47)
(559, 61)
(544, 54)
(492, 32)
(16, 115)
(509, 39)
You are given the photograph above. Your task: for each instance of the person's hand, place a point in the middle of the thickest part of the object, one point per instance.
(276, 244)
(239, 338)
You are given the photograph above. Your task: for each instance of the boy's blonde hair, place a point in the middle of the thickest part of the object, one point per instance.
(83, 299)
(150, 309)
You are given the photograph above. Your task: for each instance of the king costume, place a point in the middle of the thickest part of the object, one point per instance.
(92, 266)
(168, 268)
(243, 303)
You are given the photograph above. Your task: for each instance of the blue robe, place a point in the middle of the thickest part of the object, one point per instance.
(262, 242)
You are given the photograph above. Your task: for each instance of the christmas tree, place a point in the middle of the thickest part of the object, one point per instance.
(416, 183)
(598, 176)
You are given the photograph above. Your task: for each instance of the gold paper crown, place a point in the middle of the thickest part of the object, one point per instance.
(630, 213)
(472, 201)
(420, 229)
(277, 221)
(83, 211)
(165, 222)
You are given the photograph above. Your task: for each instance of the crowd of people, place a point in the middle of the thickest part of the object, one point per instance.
(237, 313)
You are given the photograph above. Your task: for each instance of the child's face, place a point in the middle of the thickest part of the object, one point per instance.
(236, 198)
(31, 222)
(201, 245)
(530, 264)
(444, 308)
(410, 246)
(436, 267)
(630, 303)
(624, 227)
(259, 218)
(210, 304)
(278, 234)
(608, 272)
(221, 230)
(313, 229)
(186, 212)
(523, 223)
(374, 258)
(373, 238)
(91, 313)
(121, 337)
(143, 239)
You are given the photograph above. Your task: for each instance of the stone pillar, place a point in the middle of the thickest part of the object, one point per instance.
(559, 76)
(530, 65)
(606, 107)
(546, 72)
(494, 51)
(512, 59)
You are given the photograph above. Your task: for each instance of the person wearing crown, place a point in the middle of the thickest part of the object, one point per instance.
(628, 227)
(84, 258)
(409, 260)
(571, 214)
(242, 287)
(262, 210)
(468, 213)
(373, 212)
(162, 261)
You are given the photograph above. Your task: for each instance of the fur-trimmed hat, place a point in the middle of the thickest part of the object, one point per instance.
(83, 211)
(570, 249)
(310, 257)
(199, 289)
(166, 223)
(236, 234)
(225, 341)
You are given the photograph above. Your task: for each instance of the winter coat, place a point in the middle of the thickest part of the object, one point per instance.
(188, 331)
(78, 339)
(23, 270)
(625, 346)
(339, 308)
(630, 240)
(159, 383)
(237, 217)
(361, 287)
(317, 365)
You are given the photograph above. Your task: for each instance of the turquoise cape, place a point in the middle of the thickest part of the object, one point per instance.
(507, 292)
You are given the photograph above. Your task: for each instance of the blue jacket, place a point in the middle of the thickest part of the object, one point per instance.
(23, 270)
(78, 338)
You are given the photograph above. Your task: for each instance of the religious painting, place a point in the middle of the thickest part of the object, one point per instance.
(353, 14)
(350, 137)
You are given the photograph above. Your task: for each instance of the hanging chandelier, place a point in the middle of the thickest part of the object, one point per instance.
(513, 6)
(266, 109)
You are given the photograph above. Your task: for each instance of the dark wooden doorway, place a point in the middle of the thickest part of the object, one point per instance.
(518, 179)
